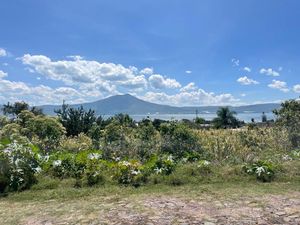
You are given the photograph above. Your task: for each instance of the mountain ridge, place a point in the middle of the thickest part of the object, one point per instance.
(134, 106)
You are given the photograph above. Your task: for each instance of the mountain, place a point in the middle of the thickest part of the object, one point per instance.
(135, 106)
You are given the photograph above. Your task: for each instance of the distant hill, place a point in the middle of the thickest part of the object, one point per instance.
(135, 106)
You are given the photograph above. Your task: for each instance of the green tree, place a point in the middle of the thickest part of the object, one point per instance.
(48, 130)
(76, 121)
(14, 109)
(225, 119)
(288, 117)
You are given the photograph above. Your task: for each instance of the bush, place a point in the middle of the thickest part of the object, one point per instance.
(129, 173)
(263, 170)
(18, 163)
(75, 144)
(177, 139)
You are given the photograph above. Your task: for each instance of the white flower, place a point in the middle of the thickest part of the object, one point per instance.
(286, 157)
(170, 158)
(38, 169)
(94, 156)
(56, 163)
(158, 170)
(135, 172)
(125, 163)
(259, 170)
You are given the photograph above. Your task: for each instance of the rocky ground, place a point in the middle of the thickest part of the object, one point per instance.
(157, 208)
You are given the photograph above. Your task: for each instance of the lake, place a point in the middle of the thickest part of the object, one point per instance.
(207, 116)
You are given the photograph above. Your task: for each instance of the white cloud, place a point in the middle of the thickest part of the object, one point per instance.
(81, 80)
(198, 97)
(296, 88)
(189, 87)
(188, 71)
(247, 69)
(280, 85)
(246, 81)
(157, 81)
(147, 71)
(243, 95)
(80, 72)
(269, 72)
(2, 74)
(3, 52)
(235, 62)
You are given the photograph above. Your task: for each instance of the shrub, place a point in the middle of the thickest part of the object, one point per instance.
(129, 173)
(177, 139)
(94, 171)
(18, 162)
(263, 170)
(164, 164)
(75, 144)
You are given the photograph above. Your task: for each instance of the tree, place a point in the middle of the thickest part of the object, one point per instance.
(288, 117)
(48, 129)
(225, 119)
(76, 121)
(14, 109)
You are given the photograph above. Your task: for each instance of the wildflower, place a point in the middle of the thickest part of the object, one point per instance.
(56, 163)
(260, 170)
(125, 163)
(38, 169)
(94, 156)
(135, 172)
(170, 158)
(158, 170)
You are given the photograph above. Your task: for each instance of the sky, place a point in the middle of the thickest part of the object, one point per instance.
(175, 52)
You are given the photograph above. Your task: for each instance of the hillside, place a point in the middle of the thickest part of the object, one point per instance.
(135, 106)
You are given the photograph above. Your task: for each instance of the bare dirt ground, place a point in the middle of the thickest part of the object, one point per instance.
(156, 208)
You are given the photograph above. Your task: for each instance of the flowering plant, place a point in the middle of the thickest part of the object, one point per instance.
(18, 166)
(263, 170)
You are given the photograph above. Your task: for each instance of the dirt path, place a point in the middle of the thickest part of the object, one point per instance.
(157, 209)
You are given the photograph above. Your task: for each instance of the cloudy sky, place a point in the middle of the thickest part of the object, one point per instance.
(191, 52)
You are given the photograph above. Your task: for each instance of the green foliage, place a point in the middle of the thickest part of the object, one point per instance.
(225, 119)
(47, 129)
(75, 144)
(263, 170)
(288, 117)
(76, 121)
(14, 109)
(129, 173)
(17, 168)
(177, 139)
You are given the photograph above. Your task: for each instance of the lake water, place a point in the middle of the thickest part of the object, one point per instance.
(207, 116)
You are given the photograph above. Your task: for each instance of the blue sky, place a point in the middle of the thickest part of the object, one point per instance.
(208, 52)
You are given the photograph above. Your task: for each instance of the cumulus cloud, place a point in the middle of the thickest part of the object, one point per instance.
(157, 81)
(269, 72)
(247, 69)
(3, 52)
(296, 88)
(189, 87)
(188, 71)
(198, 97)
(246, 81)
(2, 74)
(147, 71)
(80, 72)
(81, 80)
(37, 95)
(280, 85)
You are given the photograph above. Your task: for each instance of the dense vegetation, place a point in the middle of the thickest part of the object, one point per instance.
(92, 150)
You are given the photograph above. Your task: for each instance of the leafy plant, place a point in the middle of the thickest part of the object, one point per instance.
(263, 170)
